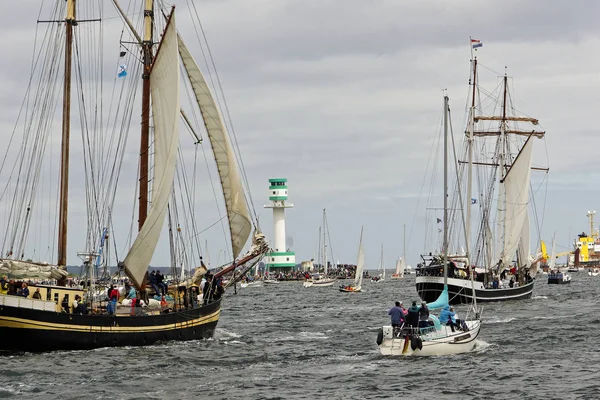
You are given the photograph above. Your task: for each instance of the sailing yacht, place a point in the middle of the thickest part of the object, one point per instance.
(358, 275)
(324, 280)
(50, 322)
(501, 251)
(435, 339)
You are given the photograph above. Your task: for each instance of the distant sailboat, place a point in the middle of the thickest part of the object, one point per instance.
(318, 280)
(381, 276)
(358, 276)
(400, 265)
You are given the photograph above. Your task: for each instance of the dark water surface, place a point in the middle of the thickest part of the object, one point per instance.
(286, 342)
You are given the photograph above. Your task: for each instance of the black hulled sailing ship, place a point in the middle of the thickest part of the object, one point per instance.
(48, 321)
(499, 256)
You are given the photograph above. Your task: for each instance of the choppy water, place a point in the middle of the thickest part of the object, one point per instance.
(285, 341)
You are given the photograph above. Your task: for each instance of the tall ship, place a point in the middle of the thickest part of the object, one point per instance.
(68, 74)
(493, 178)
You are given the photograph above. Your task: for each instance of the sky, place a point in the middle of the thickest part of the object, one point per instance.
(343, 98)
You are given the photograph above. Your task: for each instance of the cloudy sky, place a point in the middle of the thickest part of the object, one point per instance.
(343, 98)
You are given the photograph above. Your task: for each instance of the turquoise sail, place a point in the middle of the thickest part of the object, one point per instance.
(441, 301)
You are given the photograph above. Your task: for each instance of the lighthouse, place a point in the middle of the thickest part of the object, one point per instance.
(279, 259)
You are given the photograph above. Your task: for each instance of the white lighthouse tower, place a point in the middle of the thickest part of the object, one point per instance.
(279, 259)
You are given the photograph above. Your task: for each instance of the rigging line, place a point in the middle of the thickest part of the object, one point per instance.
(248, 193)
(185, 199)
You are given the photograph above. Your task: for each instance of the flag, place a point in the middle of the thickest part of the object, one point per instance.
(473, 201)
(439, 221)
(122, 72)
(122, 54)
(476, 43)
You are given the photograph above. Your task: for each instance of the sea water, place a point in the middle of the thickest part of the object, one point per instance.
(290, 342)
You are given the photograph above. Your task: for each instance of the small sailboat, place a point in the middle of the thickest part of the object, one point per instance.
(593, 272)
(251, 284)
(381, 277)
(318, 280)
(358, 276)
(400, 266)
(555, 277)
(436, 339)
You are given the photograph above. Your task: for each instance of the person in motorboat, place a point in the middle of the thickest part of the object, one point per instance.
(397, 316)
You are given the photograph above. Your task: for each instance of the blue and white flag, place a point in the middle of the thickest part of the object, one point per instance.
(473, 201)
(122, 72)
(476, 43)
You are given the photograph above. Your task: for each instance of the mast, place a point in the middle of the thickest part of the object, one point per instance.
(501, 166)
(324, 245)
(381, 263)
(445, 243)
(66, 133)
(404, 247)
(470, 166)
(145, 133)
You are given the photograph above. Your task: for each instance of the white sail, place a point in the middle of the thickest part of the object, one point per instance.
(400, 267)
(358, 276)
(552, 262)
(525, 243)
(237, 210)
(516, 185)
(164, 84)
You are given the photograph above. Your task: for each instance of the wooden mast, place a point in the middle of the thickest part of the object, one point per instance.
(66, 133)
(145, 133)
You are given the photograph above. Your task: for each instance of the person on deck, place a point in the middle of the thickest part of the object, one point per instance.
(65, 303)
(113, 297)
(412, 317)
(37, 294)
(153, 282)
(397, 316)
(447, 317)
(24, 290)
(161, 285)
(423, 316)
(130, 290)
(4, 285)
(207, 289)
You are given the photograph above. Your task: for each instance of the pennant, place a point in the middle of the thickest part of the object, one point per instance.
(122, 72)
(439, 221)
(473, 201)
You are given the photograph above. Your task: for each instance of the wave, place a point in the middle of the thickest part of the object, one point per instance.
(497, 320)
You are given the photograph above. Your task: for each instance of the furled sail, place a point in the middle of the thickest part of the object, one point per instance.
(237, 210)
(516, 185)
(31, 270)
(164, 84)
